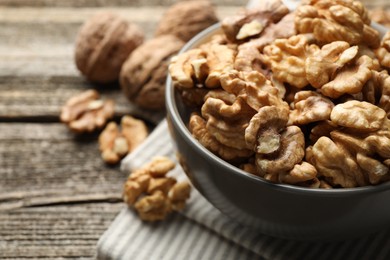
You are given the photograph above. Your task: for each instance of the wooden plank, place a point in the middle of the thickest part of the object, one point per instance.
(41, 98)
(55, 232)
(34, 32)
(37, 71)
(44, 164)
(104, 3)
(135, 3)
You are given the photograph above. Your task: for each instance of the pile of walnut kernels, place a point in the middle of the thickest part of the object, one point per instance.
(301, 98)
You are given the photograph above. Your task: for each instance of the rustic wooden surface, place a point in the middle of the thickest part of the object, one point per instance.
(56, 195)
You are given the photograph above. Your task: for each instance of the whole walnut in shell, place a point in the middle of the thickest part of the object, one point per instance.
(143, 75)
(186, 19)
(103, 44)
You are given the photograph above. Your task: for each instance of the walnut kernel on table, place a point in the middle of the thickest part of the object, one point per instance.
(114, 144)
(142, 77)
(86, 112)
(336, 20)
(185, 19)
(309, 107)
(153, 194)
(103, 44)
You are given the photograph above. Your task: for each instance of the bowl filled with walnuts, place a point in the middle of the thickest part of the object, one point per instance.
(281, 119)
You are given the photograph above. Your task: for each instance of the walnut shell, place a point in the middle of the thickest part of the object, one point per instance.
(186, 19)
(103, 44)
(143, 75)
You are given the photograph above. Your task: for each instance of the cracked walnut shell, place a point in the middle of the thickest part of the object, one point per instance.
(86, 112)
(185, 19)
(143, 75)
(103, 44)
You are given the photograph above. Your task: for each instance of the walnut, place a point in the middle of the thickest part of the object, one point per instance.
(136, 184)
(370, 151)
(203, 66)
(251, 168)
(161, 184)
(115, 144)
(162, 194)
(220, 60)
(197, 127)
(85, 112)
(160, 166)
(377, 90)
(377, 171)
(336, 164)
(248, 56)
(143, 75)
(252, 87)
(252, 22)
(227, 118)
(283, 29)
(103, 44)
(153, 207)
(290, 153)
(358, 115)
(383, 52)
(193, 97)
(301, 172)
(379, 144)
(310, 106)
(337, 70)
(178, 195)
(263, 131)
(270, 98)
(323, 128)
(336, 20)
(186, 19)
(287, 57)
(188, 67)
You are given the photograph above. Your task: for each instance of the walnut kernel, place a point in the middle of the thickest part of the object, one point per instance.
(86, 112)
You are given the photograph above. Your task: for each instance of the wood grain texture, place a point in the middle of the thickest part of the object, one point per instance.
(54, 232)
(37, 71)
(107, 3)
(43, 164)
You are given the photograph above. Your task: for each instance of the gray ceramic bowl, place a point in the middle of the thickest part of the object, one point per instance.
(274, 209)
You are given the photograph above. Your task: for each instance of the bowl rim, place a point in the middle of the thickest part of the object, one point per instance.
(173, 112)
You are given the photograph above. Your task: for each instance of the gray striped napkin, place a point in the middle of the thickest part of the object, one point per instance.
(202, 232)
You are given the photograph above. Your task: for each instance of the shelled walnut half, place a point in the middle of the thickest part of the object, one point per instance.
(86, 112)
(114, 144)
(152, 193)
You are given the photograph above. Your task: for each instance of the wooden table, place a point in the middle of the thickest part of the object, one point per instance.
(56, 195)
